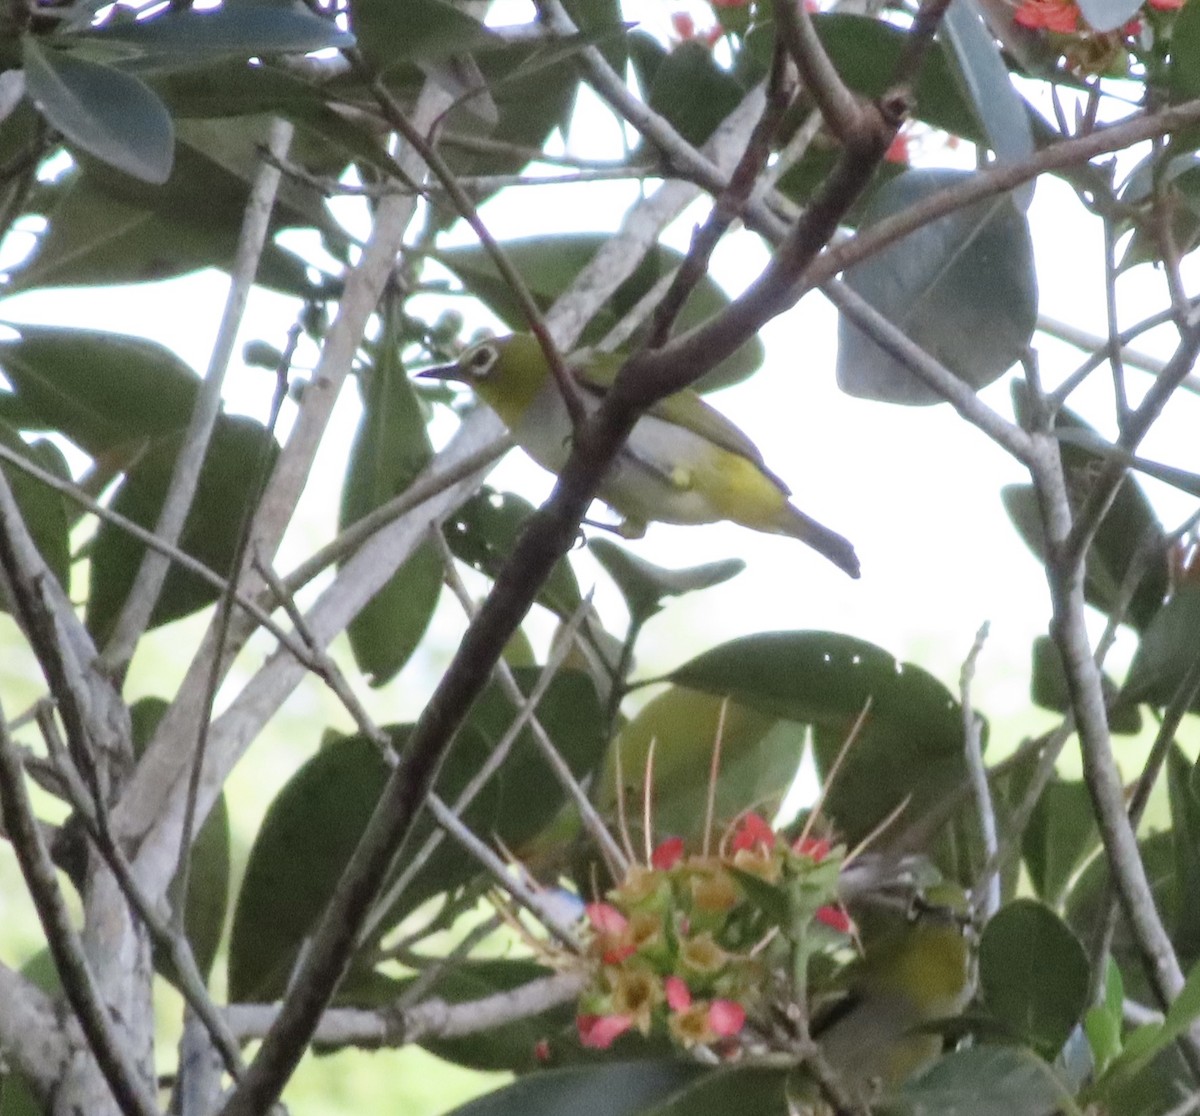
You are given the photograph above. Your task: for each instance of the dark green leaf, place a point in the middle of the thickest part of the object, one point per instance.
(107, 113)
(104, 391)
(1049, 689)
(240, 455)
(1185, 54)
(772, 901)
(981, 1081)
(43, 510)
(177, 38)
(1129, 521)
(1185, 831)
(1061, 833)
(746, 1090)
(962, 287)
(1105, 1022)
(390, 449)
(644, 585)
(1168, 653)
(1033, 974)
(549, 264)
(981, 69)
(418, 31)
(315, 821)
(693, 92)
(482, 533)
(612, 1089)
(910, 747)
(759, 758)
(512, 1046)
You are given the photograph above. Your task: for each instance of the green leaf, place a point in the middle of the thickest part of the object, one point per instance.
(390, 449)
(1060, 835)
(1033, 974)
(43, 510)
(1087, 906)
(1104, 1023)
(693, 92)
(316, 820)
(1184, 74)
(188, 37)
(548, 264)
(982, 1081)
(1168, 651)
(772, 901)
(911, 746)
(644, 585)
(759, 759)
(512, 1046)
(104, 391)
(982, 73)
(1150, 1040)
(1185, 832)
(240, 455)
(962, 287)
(612, 1089)
(107, 113)
(417, 31)
(746, 1090)
(1129, 524)
(482, 533)
(1049, 689)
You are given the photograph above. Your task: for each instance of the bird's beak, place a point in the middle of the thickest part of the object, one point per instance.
(440, 372)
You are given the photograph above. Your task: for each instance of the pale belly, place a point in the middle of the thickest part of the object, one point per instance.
(654, 478)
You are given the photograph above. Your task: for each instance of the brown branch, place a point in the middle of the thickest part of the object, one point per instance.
(839, 106)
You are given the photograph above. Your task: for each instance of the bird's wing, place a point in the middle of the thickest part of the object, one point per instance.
(685, 409)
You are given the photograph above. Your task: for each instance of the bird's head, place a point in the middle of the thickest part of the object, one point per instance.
(505, 372)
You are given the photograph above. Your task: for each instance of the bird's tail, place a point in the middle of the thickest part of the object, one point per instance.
(824, 541)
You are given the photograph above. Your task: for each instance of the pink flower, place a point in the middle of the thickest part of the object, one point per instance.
(1165, 5)
(726, 1017)
(683, 25)
(599, 1032)
(612, 930)
(815, 848)
(679, 996)
(667, 855)
(897, 151)
(752, 832)
(835, 918)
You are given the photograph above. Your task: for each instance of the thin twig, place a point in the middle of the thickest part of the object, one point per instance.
(838, 105)
(989, 903)
(185, 476)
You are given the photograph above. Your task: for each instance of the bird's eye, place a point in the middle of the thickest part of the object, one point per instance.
(480, 362)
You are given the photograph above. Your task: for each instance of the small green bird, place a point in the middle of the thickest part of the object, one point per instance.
(683, 463)
(911, 975)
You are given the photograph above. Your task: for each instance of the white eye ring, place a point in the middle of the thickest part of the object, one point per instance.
(478, 363)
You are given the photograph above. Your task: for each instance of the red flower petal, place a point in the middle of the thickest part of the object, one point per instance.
(726, 1017)
(752, 831)
(679, 996)
(667, 855)
(605, 918)
(599, 1032)
(834, 917)
(816, 849)
(683, 25)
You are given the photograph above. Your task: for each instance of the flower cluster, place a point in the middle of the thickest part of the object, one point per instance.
(684, 944)
(1085, 49)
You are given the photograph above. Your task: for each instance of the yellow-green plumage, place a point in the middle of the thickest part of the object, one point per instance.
(684, 462)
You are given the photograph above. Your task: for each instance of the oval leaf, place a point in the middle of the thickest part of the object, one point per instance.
(962, 287)
(644, 585)
(107, 113)
(1168, 652)
(1033, 974)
